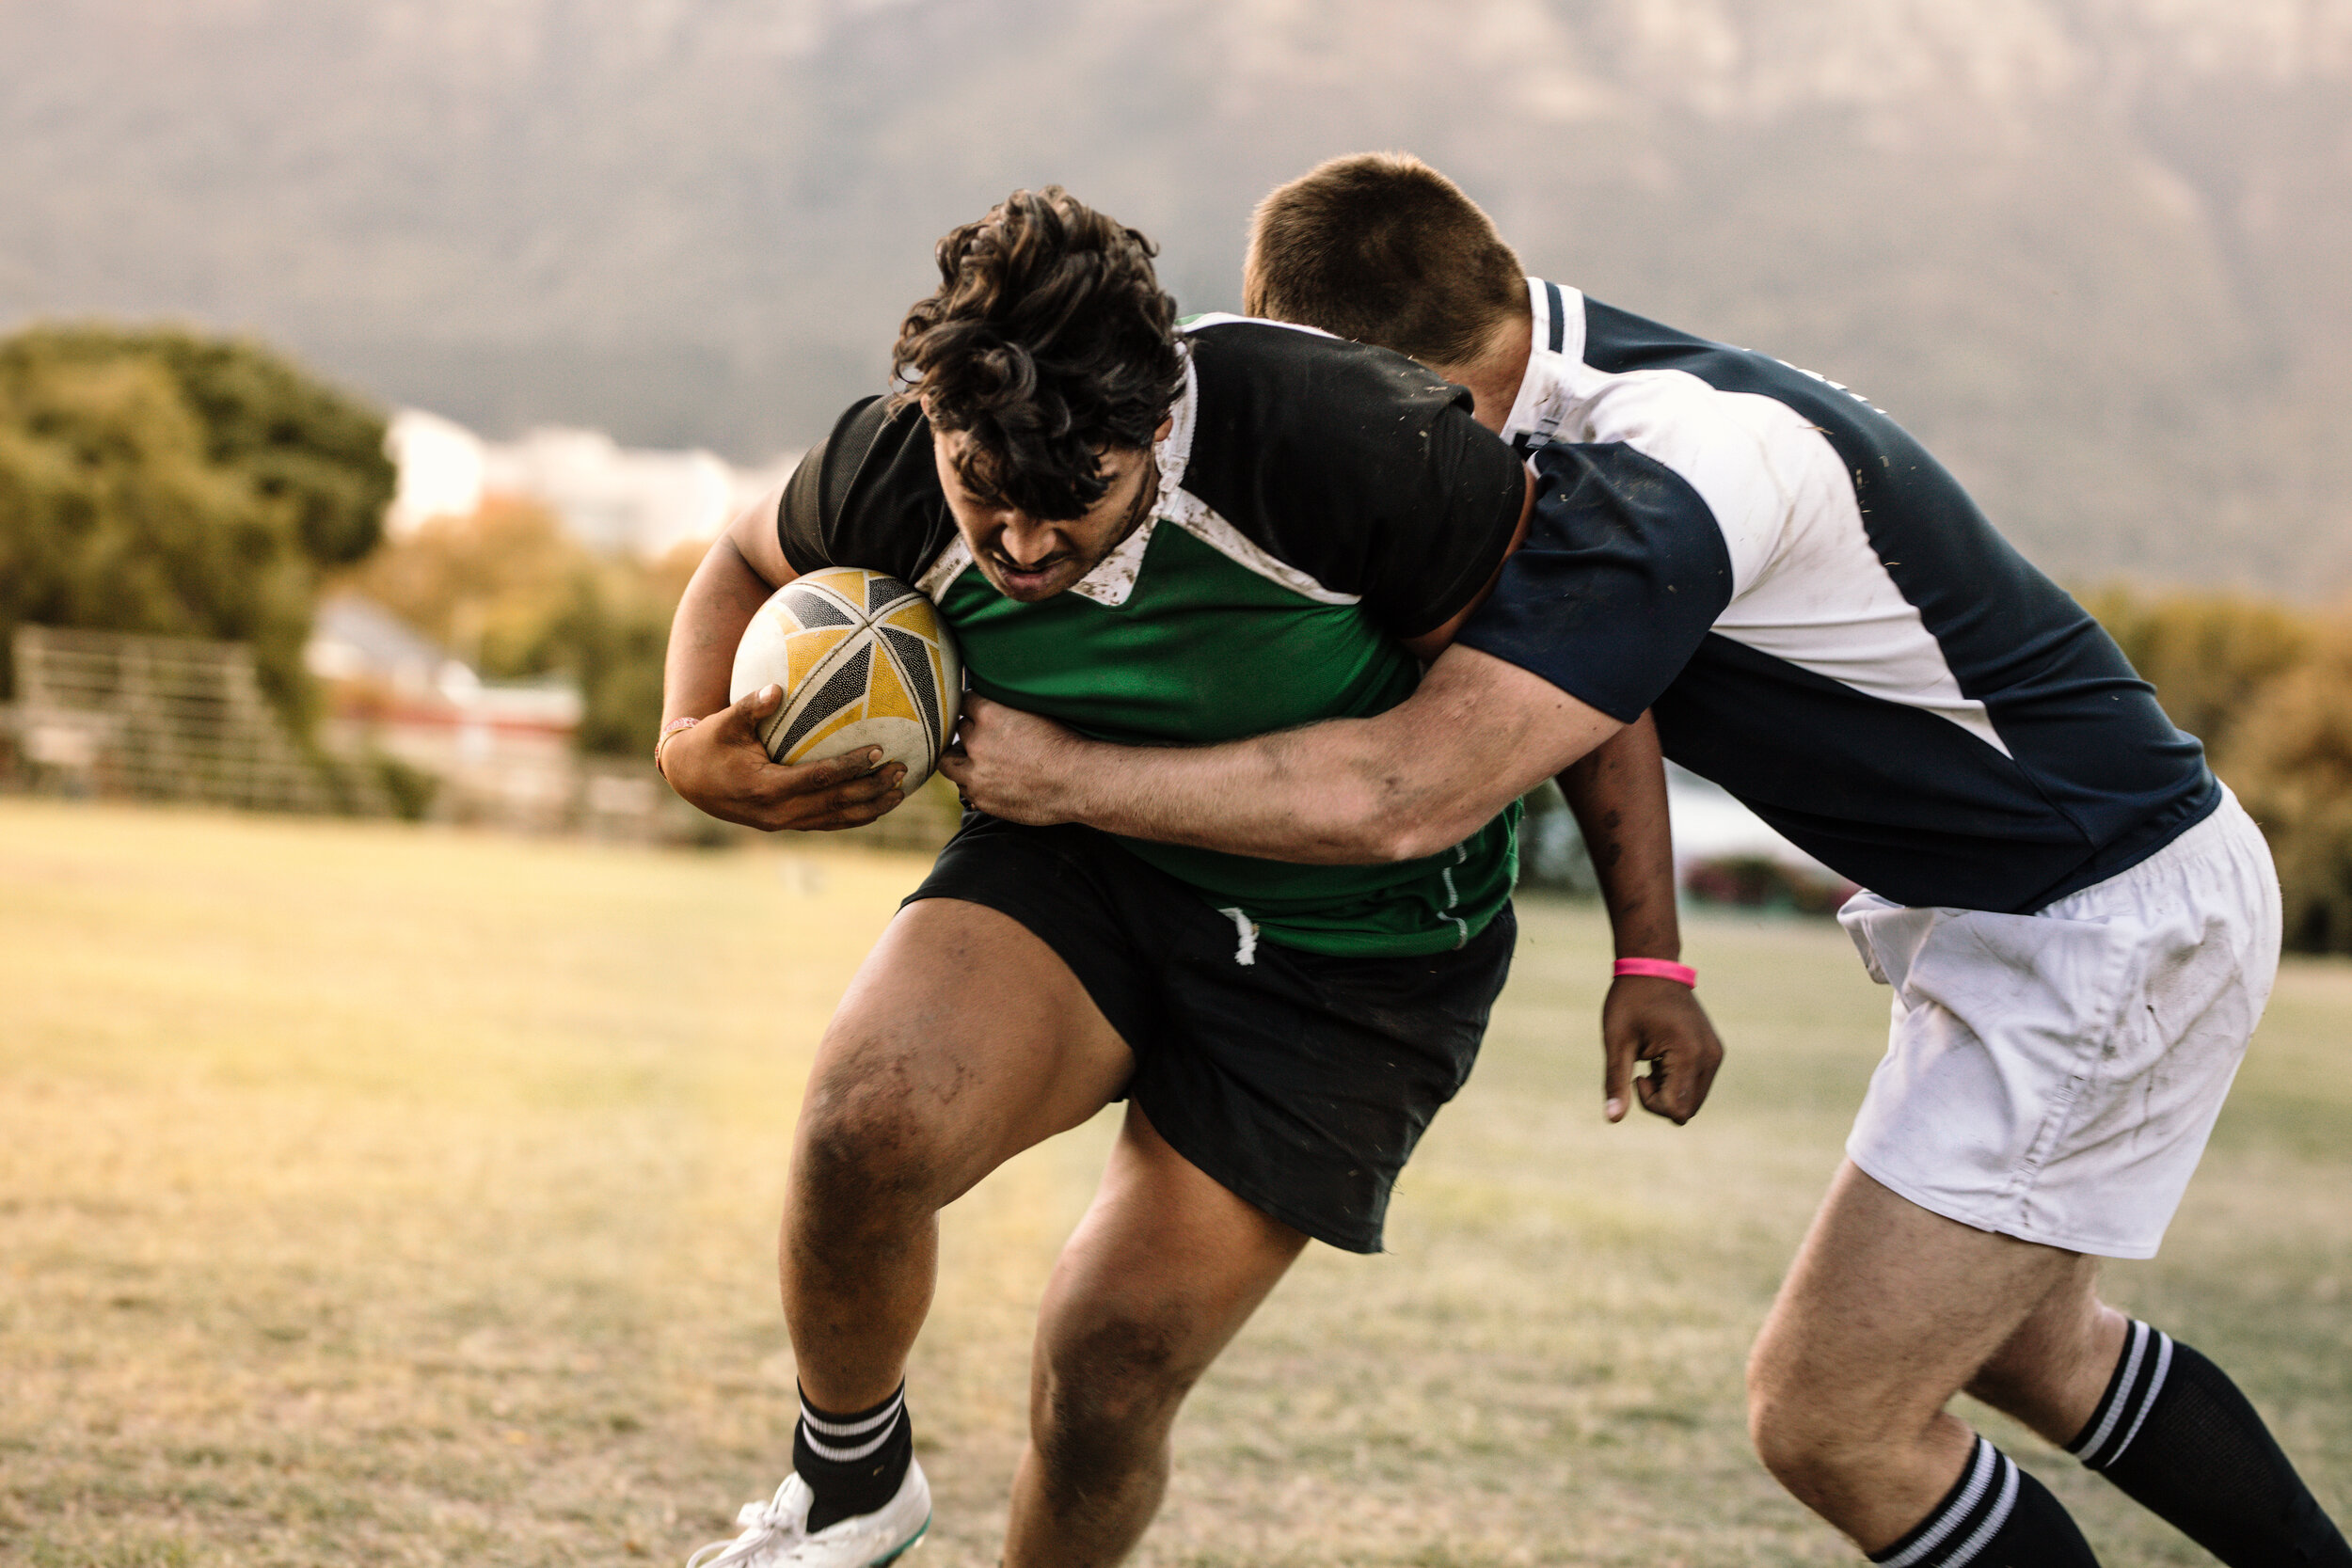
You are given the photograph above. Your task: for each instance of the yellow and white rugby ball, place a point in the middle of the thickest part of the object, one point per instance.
(863, 661)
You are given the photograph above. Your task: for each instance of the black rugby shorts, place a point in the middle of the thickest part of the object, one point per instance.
(1298, 1080)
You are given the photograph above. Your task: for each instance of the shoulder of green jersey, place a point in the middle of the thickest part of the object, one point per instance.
(1113, 578)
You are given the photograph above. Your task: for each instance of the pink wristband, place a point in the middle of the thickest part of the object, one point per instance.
(1660, 969)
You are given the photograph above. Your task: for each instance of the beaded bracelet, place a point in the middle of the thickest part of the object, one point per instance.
(675, 726)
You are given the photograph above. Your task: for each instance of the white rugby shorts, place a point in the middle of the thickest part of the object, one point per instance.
(2054, 1076)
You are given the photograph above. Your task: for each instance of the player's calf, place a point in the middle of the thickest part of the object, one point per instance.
(859, 1244)
(2049, 1372)
(1163, 1271)
(2176, 1434)
(1847, 1468)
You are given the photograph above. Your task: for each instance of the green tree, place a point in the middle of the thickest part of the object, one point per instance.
(2269, 687)
(2209, 655)
(153, 480)
(2291, 761)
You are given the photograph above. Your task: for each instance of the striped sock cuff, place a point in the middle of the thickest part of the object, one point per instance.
(852, 1437)
(2132, 1392)
(1966, 1522)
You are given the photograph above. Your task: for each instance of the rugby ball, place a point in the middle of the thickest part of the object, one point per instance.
(863, 661)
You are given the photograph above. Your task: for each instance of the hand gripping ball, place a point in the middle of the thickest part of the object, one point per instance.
(863, 661)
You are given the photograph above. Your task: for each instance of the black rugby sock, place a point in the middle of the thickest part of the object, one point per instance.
(2174, 1433)
(854, 1463)
(1995, 1516)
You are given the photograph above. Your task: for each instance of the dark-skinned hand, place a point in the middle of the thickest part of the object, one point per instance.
(721, 767)
(1648, 1019)
(1015, 765)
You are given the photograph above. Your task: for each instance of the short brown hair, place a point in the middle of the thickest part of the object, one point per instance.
(1048, 339)
(1382, 248)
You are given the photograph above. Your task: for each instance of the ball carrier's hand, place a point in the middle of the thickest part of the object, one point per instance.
(719, 765)
(1015, 765)
(1647, 1019)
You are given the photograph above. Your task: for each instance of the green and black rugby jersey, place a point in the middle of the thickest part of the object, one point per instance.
(1318, 500)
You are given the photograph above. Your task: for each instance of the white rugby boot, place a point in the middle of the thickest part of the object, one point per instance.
(776, 1535)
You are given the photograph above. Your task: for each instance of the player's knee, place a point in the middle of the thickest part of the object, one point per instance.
(1809, 1455)
(867, 1147)
(1777, 1432)
(1773, 1417)
(1810, 1443)
(1107, 1396)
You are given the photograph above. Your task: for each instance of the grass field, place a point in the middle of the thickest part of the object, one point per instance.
(372, 1194)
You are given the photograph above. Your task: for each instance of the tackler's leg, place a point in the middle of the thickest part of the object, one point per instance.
(1886, 1313)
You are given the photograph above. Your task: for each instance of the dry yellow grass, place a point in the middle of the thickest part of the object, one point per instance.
(372, 1194)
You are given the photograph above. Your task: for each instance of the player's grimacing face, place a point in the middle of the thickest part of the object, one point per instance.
(1029, 558)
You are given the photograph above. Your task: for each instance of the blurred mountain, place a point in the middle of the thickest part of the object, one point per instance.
(2093, 252)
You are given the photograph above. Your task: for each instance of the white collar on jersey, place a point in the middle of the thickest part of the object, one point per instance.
(1554, 358)
(1114, 577)
(1173, 451)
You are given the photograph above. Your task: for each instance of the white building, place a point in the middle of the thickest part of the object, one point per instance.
(618, 500)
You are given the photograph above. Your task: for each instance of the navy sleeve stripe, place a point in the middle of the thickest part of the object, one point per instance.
(1617, 540)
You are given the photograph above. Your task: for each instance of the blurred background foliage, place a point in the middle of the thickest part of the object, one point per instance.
(2269, 687)
(157, 480)
(154, 480)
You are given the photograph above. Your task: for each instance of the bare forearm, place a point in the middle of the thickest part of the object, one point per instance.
(1403, 785)
(1618, 793)
(1316, 795)
(717, 604)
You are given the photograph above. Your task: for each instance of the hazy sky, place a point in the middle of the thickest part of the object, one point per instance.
(2092, 250)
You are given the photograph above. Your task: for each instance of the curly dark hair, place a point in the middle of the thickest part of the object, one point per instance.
(1049, 340)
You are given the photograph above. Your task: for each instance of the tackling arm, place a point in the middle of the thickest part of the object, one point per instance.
(1409, 783)
(1402, 784)
(1618, 793)
(1476, 735)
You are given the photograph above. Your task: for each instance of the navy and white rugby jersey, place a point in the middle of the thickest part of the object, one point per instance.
(1823, 622)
